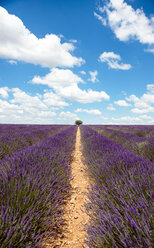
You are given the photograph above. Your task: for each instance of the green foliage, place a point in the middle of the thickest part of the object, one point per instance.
(78, 122)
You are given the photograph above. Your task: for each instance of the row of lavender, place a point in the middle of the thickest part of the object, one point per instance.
(15, 137)
(139, 130)
(17, 128)
(120, 200)
(12, 129)
(33, 185)
(136, 141)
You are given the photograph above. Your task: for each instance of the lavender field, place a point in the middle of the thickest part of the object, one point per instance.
(120, 203)
(35, 179)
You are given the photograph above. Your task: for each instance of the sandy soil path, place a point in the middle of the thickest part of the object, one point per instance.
(75, 215)
(73, 235)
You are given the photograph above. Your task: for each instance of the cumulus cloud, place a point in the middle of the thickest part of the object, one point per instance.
(27, 102)
(11, 113)
(73, 41)
(68, 115)
(150, 50)
(58, 78)
(112, 60)
(89, 111)
(110, 107)
(42, 102)
(83, 72)
(143, 111)
(150, 88)
(12, 62)
(9, 108)
(20, 107)
(122, 103)
(142, 119)
(65, 84)
(100, 18)
(93, 76)
(51, 99)
(46, 114)
(144, 103)
(4, 92)
(127, 23)
(104, 118)
(18, 43)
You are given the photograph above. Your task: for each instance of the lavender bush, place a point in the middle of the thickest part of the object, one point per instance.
(120, 200)
(137, 141)
(16, 137)
(33, 185)
(139, 130)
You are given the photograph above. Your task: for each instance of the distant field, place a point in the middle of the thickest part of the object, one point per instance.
(35, 179)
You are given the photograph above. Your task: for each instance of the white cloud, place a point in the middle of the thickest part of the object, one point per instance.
(65, 84)
(112, 60)
(20, 107)
(4, 92)
(100, 18)
(12, 62)
(150, 88)
(58, 78)
(105, 118)
(73, 41)
(9, 108)
(24, 108)
(144, 103)
(27, 102)
(150, 50)
(83, 72)
(122, 103)
(42, 102)
(110, 107)
(89, 111)
(148, 98)
(18, 43)
(46, 114)
(127, 23)
(93, 76)
(68, 116)
(143, 111)
(52, 99)
(142, 119)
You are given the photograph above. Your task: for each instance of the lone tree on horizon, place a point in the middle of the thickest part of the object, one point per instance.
(78, 122)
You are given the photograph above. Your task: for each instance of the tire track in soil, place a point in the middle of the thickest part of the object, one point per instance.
(73, 234)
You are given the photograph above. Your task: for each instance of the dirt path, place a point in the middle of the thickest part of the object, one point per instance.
(75, 217)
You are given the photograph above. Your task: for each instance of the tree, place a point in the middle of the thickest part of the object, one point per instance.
(78, 122)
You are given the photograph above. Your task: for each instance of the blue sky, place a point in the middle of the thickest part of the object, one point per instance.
(62, 60)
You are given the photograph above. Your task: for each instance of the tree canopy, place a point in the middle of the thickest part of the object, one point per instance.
(78, 122)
